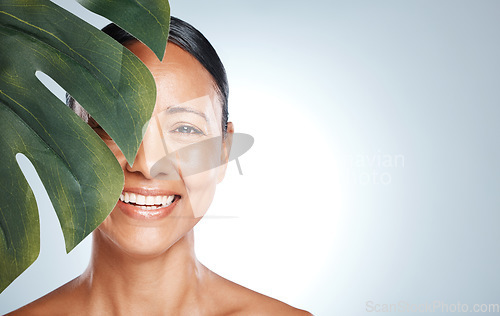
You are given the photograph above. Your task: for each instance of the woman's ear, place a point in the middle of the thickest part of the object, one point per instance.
(226, 150)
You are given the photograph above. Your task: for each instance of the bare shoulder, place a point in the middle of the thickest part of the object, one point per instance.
(234, 299)
(58, 302)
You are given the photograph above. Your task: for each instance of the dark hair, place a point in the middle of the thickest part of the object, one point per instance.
(192, 41)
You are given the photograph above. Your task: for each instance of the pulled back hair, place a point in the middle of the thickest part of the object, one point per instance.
(190, 40)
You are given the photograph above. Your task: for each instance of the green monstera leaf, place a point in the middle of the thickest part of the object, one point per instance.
(81, 175)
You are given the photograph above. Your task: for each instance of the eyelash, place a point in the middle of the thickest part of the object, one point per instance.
(193, 130)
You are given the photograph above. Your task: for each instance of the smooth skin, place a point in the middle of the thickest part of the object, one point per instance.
(148, 267)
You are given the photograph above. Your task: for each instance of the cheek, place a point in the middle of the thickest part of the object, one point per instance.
(199, 157)
(116, 151)
(198, 167)
(200, 190)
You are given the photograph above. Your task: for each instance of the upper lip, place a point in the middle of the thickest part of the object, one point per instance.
(152, 191)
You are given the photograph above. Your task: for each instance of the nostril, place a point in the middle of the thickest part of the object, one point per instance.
(139, 167)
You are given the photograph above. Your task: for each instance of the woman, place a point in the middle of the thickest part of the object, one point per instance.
(143, 260)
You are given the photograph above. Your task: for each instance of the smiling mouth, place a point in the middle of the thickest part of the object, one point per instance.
(148, 202)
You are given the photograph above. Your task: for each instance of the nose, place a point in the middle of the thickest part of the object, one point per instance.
(141, 163)
(153, 160)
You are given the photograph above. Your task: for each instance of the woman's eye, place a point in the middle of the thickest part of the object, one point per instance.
(185, 129)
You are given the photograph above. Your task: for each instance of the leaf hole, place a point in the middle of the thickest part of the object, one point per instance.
(53, 86)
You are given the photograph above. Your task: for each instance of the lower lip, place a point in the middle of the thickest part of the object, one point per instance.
(138, 213)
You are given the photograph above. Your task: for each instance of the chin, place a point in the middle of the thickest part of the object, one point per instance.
(148, 242)
(150, 233)
(143, 239)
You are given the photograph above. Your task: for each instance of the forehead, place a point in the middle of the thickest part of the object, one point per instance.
(179, 76)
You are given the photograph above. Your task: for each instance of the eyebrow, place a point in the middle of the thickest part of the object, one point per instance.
(189, 110)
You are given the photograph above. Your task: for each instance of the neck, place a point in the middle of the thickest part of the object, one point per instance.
(121, 283)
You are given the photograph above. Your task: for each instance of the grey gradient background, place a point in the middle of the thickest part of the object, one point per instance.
(375, 170)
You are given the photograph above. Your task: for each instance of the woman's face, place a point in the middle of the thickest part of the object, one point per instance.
(181, 159)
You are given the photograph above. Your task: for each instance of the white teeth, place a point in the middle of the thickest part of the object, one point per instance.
(148, 208)
(170, 198)
(148, 202)
(141, 199)
(158, 199)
